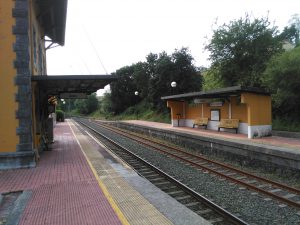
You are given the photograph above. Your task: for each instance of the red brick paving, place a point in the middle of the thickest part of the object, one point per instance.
(64, 188)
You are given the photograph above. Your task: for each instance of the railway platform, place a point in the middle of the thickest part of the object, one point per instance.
(274, 153)
(79, 182)
(276, 141)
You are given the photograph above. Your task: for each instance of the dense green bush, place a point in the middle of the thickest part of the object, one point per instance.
(282, 77)
(60, 116)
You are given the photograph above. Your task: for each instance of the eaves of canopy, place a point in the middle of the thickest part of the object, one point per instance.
(217, 93)
(53, 14)
(86, 84)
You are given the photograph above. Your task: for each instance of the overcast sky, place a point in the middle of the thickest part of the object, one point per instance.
(105, 35)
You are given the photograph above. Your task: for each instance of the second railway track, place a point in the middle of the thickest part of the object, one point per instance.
(275, 190)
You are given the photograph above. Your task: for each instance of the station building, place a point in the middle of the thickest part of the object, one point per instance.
(251, 107)
(28, 28)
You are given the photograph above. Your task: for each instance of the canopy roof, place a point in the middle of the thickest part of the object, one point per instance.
(56, 85)
(53, 14)
(217, 93)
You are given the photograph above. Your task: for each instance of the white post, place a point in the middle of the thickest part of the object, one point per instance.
(229, 110)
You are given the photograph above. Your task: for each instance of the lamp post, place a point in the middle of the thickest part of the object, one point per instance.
(136, 93)
(173, 85)
(64, 103)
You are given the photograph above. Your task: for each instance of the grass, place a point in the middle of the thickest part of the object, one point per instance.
(140, 112)
(144, 112)
(284, 124)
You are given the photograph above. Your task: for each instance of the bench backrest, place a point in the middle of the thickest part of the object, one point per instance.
(201, 120)
(234, 123)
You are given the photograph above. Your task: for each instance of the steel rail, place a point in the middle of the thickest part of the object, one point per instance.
(295, 190)
(227, 215)
(250, 186)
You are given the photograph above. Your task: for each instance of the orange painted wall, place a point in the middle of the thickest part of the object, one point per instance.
(258, 108)
(176, 107)
(238, 111)
(8, 90)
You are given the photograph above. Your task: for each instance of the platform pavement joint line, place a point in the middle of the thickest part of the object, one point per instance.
(136, 209)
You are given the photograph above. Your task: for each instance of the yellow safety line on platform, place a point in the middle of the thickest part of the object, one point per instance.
(110, 199)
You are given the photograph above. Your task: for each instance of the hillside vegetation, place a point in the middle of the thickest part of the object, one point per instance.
(247, 51)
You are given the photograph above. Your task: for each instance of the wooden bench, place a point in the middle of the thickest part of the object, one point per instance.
(200, 122)
(229, 124)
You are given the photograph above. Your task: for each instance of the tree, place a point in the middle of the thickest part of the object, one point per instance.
(295, 23)
(152, 79)
(188, 77)
(160, 80)
(240, 50)
(291, 35)
(87, 106)
(122, 90)
(165, 69)
(212, 80)
(141, 78)
(282, 77)
(105, 104)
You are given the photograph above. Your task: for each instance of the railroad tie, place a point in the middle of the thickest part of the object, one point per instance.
(161, 183)
(155, 179)
(275, 190)
(174, 192)
(204, 211)
(183, 197)
(289, 196)
(216, 220)
(191, 204)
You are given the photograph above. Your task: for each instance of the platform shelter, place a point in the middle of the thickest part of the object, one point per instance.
(250, 107)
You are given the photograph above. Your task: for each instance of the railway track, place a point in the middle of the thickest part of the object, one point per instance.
(183, 194)
(280, 192)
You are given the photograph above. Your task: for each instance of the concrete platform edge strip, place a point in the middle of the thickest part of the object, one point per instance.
(111, 201)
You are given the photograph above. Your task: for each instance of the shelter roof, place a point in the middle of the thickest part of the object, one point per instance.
(53, 14)
(56, 85)
(217, 93)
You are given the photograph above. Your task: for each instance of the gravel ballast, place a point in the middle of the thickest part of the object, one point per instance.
(252, 207)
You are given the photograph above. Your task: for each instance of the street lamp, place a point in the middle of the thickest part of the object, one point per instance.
(173, 84)
(136, 93)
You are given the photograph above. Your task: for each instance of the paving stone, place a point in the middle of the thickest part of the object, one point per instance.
(64, 189)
